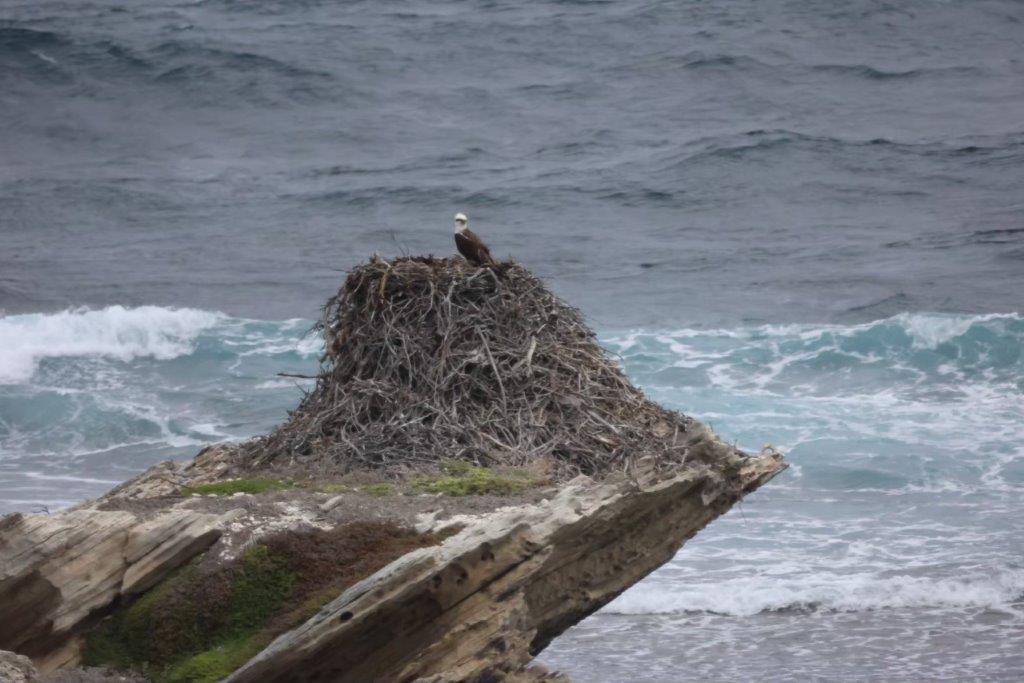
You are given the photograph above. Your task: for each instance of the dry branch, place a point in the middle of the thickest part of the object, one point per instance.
(430, 359)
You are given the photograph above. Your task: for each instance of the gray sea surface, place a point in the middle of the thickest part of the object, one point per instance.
(693, 162)
(801, 222)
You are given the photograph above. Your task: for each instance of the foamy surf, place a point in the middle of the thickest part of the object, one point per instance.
(892, 541)
(90, 397)
(928, 330)
(114, 332)
(903, 434)
(746, 596)
(908, 402)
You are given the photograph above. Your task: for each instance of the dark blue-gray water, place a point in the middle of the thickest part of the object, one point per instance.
(802, 222)
(658, 161)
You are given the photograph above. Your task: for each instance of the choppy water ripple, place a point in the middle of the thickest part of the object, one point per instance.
(899, 518)
(87, 397)
(898, 521)
(697, 171)
(797, 161)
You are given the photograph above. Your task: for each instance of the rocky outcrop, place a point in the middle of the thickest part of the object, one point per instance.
(439, 378)
(167, 478)
(477, 607)
(481, 605)
(15, 668)
(57, 572)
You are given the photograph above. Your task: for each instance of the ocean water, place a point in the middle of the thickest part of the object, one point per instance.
(799, 221)
(891, 549)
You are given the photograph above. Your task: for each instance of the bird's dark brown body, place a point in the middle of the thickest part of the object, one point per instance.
(473, 248)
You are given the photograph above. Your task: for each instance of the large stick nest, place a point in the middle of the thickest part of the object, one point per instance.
(433, 359)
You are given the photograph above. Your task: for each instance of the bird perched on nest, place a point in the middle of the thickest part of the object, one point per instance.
(470, 245)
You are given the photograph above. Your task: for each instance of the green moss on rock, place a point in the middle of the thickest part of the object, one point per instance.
(378, 490)
(162, 632)
(199, 625)
(263, 584)
(464, 479)
(333, 488)
(216, 663)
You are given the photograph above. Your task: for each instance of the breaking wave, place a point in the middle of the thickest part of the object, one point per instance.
(115, 332)
(907, 352)
(858, 592)
(918, 414)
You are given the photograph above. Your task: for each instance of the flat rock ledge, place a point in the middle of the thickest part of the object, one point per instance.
(477, 607)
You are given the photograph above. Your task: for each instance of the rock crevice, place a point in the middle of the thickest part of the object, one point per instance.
(494, 595)
(57, 572)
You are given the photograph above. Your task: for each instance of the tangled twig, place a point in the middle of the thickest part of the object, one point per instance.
(429, 359)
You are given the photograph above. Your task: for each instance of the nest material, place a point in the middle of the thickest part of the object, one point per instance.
(434, 359)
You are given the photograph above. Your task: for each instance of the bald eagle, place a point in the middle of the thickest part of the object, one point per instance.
(470, 245)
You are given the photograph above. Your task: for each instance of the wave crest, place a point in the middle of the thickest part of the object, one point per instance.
(113, 332)
(753, 595)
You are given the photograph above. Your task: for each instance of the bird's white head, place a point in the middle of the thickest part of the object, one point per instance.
(461, 222)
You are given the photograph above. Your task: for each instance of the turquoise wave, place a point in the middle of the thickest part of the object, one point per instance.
(894, 403)
(903, 434)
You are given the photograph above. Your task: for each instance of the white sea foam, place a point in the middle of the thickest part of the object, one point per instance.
(114, 332)
(928, 330)
(43, 56)
(853, 593)
(63, 477)
(289, 383)
(310, 345)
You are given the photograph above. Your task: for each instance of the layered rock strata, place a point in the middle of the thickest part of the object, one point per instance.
(56, 572)
(483, 604)
(479, 606)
